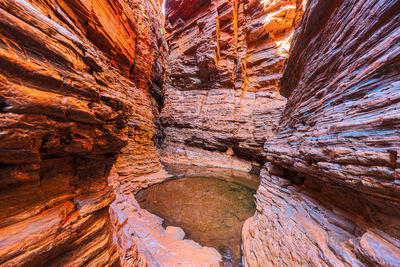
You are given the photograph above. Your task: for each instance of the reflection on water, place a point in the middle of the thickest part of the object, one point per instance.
(210, 211)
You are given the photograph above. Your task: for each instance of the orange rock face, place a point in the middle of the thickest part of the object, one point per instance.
(82, 87)
(78, 82)
(225, 61)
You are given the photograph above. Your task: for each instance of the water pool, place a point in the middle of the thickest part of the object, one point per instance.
(211, 211)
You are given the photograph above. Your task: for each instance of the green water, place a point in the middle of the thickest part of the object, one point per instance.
(210, 211)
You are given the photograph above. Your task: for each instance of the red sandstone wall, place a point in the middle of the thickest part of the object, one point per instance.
(224, 64)
(76, 79)
(80, 93)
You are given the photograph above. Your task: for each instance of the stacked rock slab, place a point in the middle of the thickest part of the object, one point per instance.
(330, 192)
(224, 64)
(80, 80)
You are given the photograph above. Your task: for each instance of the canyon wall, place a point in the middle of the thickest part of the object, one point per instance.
(330, 191)
(223, 68)
(80, 97)
(81, 83)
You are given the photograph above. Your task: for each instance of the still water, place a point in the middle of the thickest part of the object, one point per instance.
(211, 211)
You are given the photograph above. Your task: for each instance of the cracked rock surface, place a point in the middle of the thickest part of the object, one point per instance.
(76, 83)
(329, 194)
(95, 95)
(224, 65)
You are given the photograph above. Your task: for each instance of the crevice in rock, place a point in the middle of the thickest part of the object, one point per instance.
(100, 99)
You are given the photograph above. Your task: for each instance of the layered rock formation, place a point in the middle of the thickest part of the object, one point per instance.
(224, 65)
(80, 81)
(330, 193)
(81, 89)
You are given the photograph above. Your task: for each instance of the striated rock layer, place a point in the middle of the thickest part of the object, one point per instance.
(81, 89)
(80, 80)
(224, 64)
(330, 194)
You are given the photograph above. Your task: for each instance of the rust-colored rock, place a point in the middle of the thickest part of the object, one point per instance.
(225, 61)
(76, 86)
(330, 193)
(82, 89)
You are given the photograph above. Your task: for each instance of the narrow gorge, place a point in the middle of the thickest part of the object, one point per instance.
(200, 133)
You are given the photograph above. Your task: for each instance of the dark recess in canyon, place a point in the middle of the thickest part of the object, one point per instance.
(99, 99)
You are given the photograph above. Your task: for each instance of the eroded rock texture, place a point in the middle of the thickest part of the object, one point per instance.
(330, 195)
(225, 61)
(143, 241)
(80, 80)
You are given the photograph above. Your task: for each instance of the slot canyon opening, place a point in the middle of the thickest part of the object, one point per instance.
(177, 104)
(211, 209)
